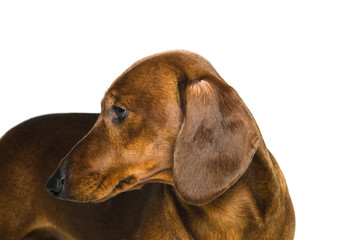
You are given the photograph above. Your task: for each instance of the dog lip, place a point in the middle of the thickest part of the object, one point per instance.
(132, 183)
(155, 173)
(116, 190)
(127, 180)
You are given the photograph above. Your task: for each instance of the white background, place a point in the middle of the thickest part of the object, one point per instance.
(296, 64)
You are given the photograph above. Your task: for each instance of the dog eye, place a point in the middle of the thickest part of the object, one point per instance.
(120, 112)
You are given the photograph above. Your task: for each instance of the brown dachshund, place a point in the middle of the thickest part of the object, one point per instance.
(172, 129)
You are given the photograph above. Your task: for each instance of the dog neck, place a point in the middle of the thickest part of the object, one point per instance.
(235, 213)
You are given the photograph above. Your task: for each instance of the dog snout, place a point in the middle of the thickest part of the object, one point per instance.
(55, 185)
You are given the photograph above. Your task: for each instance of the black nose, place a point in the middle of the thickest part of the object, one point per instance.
(55, 184)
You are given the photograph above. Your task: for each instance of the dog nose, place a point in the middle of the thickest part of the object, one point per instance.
(55, 184)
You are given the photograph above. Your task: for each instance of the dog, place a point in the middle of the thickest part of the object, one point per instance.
(171, 129)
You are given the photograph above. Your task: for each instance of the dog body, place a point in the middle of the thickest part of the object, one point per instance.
(171, 129)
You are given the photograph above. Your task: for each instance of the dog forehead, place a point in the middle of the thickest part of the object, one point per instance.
(146, 82)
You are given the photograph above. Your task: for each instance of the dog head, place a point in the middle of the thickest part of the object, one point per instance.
(169, 118)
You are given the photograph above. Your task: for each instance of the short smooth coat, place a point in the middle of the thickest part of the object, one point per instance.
(187, 162)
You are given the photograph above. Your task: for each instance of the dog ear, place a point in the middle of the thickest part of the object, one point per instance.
(216, 142)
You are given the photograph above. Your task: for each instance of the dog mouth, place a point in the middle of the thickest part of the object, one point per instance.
(125, 181)
(128, 184)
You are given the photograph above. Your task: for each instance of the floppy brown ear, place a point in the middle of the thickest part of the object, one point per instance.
(216, 143)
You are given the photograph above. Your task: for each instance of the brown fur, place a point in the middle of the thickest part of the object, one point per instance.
(188, 136)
